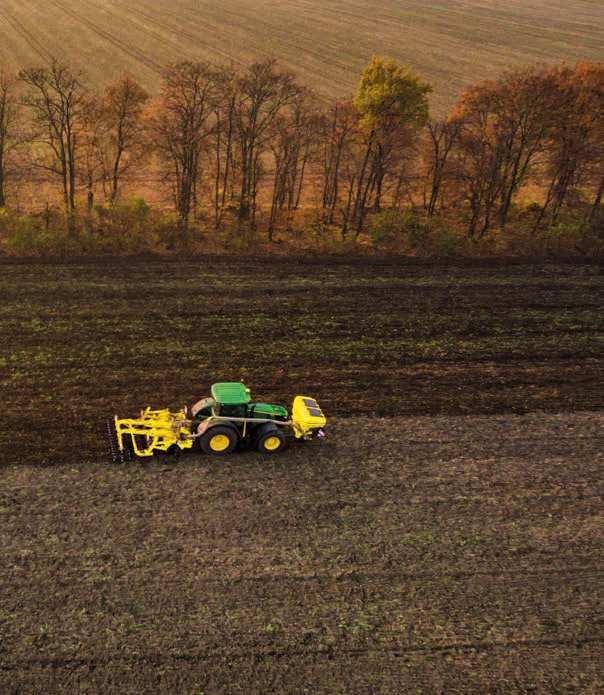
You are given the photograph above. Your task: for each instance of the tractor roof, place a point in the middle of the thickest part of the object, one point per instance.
(230, 393)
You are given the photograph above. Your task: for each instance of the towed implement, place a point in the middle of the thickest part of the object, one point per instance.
(219, 424)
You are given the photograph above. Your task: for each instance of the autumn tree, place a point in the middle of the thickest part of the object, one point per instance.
(121, 115)
(55, 98)
(442, 137)
(506, 124)
(181, 126)
(292, 144)
(262, 93)
(338, 131)
(9, 138)
(575, 146)
(392, 103)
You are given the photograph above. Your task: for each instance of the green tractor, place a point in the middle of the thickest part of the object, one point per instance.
(219, 424)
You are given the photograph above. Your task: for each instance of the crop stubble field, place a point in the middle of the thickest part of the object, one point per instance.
(445, 537)
(451, 42)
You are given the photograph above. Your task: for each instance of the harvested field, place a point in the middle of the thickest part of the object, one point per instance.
(451, 43)
(446, 537)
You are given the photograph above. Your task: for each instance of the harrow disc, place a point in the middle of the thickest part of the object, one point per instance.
(114, 450)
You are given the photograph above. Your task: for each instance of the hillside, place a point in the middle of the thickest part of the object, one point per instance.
(451, 42)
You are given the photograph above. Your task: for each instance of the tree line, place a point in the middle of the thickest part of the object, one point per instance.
(253, 147)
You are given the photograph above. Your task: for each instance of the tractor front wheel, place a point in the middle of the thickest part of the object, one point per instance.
(271, 442)
(219, 441)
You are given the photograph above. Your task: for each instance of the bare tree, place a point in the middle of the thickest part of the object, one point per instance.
(9, 139)
(55, 98)
(91, 168)
(122, 110)
(294, 138)
(262, 93)
(339, 133)
(442, 137)
(181, 126)
(224, 140)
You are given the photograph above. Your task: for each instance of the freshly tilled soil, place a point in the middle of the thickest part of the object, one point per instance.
(401, 554)
(445, 537)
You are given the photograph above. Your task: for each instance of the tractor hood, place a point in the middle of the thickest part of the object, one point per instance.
(268, 410)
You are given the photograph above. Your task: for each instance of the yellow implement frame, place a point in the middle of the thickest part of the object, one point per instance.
(154, 430)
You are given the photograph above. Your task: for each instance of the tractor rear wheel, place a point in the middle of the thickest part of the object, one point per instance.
(219, 441)
(271, 442)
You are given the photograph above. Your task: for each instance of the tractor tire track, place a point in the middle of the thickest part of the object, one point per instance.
(135, 53)
(132, 20)
(276, 30)
(18, 27)
(178, 31)
(331, 652)
(513, 577)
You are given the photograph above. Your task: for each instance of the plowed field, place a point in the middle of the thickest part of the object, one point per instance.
(445, 537)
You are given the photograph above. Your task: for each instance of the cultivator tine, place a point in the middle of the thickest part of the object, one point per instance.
(114, 449)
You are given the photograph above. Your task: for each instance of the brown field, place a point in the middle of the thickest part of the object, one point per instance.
(446, 554)
(445, 537)
(451, 42)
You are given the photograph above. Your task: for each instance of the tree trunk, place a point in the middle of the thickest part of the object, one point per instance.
(436, 184)
(379, 182)
(359, 193)
(218, 176)
(90, 195)
(2, 193)
(595, 214)
(301, 182)
(346, 215)
(362, 208)
(115, 176)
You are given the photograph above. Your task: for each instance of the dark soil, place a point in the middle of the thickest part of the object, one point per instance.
(439, 554)
(455, 552)
(83, 341)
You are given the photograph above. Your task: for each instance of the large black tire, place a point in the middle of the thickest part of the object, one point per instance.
(219, 440)
(271, 441)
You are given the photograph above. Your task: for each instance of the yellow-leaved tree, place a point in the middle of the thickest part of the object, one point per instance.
(392, 103)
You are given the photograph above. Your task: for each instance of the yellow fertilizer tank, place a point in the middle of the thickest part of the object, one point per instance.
(307, 416)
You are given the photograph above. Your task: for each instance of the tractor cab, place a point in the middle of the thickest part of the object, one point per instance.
(227, 399)
(231, 399)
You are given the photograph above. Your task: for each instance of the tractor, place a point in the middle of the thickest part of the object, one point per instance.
(219, 424)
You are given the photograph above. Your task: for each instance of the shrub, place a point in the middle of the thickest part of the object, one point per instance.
(124, 227)
(413, 232)
(28, 236)
(388, 227)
